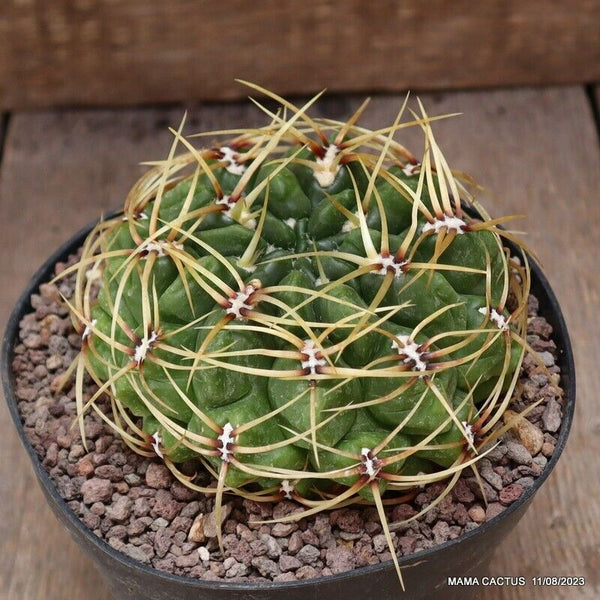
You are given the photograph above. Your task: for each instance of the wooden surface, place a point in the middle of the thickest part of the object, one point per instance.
(98, 52)
(537, 149)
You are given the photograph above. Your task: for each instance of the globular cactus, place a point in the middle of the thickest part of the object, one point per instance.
(307, 310)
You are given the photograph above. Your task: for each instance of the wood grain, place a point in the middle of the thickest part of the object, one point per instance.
(537, 149)
(99, 52)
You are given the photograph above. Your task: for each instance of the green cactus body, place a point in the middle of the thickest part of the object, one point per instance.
(315, 319)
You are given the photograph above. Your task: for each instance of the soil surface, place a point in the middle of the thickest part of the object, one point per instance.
(136, 505)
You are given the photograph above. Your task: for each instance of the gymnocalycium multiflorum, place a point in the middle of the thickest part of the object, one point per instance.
(307, 310)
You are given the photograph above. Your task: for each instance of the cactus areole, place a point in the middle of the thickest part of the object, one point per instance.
(306, 310)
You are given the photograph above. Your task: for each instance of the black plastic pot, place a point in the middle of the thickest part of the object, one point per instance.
(425, 573)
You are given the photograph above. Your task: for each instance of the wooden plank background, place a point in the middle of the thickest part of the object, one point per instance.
(537, 149)
(99, 52)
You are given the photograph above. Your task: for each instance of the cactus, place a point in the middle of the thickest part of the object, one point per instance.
(307, 310)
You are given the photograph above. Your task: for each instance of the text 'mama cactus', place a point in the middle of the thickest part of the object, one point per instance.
(307, 310)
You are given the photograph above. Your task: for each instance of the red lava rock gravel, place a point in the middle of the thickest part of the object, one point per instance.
(135, 504)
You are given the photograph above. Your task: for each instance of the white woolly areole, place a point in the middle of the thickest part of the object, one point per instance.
(468, 431)
(286, 488)
(410, 169)
(240, 301)
(450, 223)
(156, 444)
(226, 438)
(245, 218)
(495, 316)
(142, 348)
(312, 362)
(230, 157)
(88, 329)
(411, 351)
(158, 247)
(291, 222)
(323, 173)
(226, 200)
(369, 463)
(389, 262)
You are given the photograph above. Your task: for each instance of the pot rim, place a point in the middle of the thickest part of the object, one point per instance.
(44, 273)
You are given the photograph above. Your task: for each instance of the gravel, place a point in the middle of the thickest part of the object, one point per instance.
(136, 505)
(552, 416)
(96, 490)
